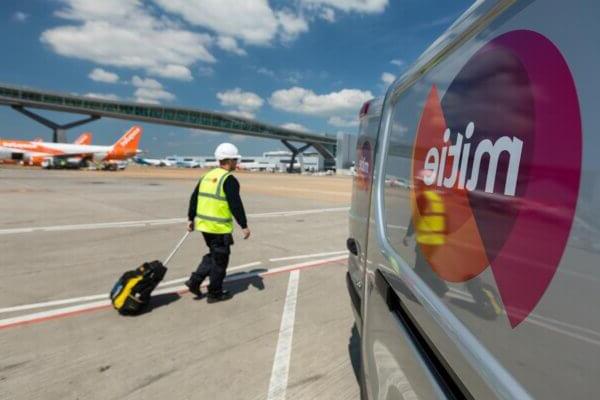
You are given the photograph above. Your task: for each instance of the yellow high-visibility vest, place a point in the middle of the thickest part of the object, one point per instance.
(431, 226)
(212, 212)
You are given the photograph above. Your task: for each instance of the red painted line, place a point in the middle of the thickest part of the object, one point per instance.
(57, 316)
(183, 291)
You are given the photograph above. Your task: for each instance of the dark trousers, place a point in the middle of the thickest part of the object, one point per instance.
(214, 263)
(423, 269)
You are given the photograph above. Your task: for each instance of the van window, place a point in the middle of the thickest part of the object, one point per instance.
(398, 181)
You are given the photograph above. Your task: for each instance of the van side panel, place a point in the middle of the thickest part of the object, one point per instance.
(512, 256)
(361, 200)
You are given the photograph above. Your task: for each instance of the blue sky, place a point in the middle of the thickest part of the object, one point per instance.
(309, 63)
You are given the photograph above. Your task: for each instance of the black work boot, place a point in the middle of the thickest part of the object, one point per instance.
(219, 296)
(194, 287)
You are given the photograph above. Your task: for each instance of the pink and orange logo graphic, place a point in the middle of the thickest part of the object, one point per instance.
(502, 148)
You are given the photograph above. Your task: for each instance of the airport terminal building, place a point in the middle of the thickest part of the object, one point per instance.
(271, 161)
(279, 160)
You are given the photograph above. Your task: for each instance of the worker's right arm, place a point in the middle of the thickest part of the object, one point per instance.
(192, 208)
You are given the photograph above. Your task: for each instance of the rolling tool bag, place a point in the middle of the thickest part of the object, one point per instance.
(131, 294)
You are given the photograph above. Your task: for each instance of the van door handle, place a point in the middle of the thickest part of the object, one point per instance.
(352, 246)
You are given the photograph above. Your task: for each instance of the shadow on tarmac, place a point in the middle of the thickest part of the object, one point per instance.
(243, 284)
(160, 301)
(354, 352)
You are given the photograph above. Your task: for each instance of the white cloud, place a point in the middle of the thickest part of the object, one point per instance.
(361, 6)
(172, 71)
(150, 91)
(328, 14)
(267, 72)
(228, 43)
(241, 113)
(101, 75)
(253, 22)
(305, 101)
(103, 96)
(152, 96)
(398, 62)
(293, 77)
(256, 22)
(343, 122)
(20, 16)
(146, 83)
(291, 24)
(124, 33)
(398, 127)
(388, 78)
(243, 101)
(295, 127)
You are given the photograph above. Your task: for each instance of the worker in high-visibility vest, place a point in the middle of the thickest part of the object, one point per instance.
(214, 204)
(429, 227)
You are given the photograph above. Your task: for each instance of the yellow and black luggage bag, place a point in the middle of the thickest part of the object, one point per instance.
(132, 292)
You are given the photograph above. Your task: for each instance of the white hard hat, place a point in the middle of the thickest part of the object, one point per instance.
(227, 151)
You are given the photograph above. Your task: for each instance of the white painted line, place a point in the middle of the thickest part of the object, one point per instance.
(101, 296)
(283, 353)
(154, 222)
(80, 308)
(43, 315)
(53, 303)
(332, 253)
(299, 212)
(304, 265)
(228, 279)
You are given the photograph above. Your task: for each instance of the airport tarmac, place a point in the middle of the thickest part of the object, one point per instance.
(66, 236)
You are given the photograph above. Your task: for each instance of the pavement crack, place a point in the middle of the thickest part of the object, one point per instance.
(12, 366)
(310, 379)
(152, 379)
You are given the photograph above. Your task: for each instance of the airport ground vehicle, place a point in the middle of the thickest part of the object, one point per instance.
(497, 121)
(62, 163)
(188, 162)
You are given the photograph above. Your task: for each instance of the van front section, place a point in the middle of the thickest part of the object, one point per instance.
(480, 273)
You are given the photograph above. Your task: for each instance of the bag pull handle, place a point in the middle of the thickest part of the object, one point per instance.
(176, 248)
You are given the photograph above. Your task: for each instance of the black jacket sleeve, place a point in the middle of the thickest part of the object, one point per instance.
(411, 228)
(193, 203)
(231, 187)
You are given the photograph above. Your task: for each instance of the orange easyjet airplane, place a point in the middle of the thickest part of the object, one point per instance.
(84, 138)
(35, 152)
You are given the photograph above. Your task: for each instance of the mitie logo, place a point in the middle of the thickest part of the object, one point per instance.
(460, 154)
(502, 149)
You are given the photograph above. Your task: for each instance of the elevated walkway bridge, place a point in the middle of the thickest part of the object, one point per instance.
(23, 99)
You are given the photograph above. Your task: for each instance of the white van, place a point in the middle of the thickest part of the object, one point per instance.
(475, 217)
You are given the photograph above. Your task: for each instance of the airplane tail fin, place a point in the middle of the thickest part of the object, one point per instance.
(84, 138)
(128, 143)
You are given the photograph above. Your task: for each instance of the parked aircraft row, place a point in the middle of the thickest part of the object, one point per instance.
(80, 153)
